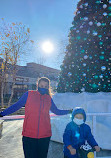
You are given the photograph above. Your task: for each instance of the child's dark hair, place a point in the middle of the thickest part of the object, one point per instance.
(45, 79)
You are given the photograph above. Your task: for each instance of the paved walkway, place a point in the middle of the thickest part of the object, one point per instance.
(11, 143)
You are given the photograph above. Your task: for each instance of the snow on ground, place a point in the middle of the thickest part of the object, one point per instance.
(92, 103)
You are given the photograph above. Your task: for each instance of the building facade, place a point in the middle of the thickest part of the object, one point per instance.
(26, 79)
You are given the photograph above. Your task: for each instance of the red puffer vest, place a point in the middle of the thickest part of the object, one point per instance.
(37, 120)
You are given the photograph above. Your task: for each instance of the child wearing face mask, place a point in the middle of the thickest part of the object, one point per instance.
(77, 132)
(36, 127)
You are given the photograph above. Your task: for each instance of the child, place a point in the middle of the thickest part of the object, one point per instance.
(36, 128)
(76, 134)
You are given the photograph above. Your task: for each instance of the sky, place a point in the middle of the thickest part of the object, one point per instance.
(48, 20)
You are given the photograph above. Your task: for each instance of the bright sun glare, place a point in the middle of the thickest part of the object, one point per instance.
(47, 47)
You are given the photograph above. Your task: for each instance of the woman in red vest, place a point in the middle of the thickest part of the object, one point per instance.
(36, 127)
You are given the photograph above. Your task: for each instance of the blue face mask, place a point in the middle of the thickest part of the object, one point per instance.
(43, 91)
(78, 121)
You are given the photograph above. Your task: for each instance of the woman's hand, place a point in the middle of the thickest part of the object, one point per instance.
(70, 111)
(97, 148)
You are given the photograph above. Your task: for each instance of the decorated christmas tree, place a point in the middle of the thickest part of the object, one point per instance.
(87, 62)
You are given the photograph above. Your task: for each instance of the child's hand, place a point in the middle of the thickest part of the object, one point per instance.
(97, 148)
(73, 151)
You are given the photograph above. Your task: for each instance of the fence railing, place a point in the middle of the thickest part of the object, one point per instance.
(94, 115)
